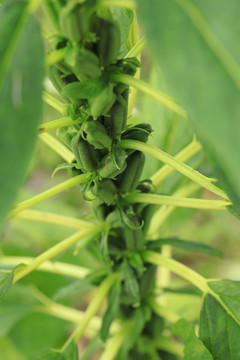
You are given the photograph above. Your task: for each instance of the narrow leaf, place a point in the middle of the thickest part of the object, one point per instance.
(194, 349)
(187, 245)
(20, 98)
(220, 319)
(196, 45)
(131, 283)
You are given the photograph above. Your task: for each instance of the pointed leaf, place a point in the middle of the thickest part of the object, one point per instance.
(220, 320)
(21, 53)
(196, 45)
(194, 349)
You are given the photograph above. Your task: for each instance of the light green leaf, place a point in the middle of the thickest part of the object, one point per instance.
(193, 347)
(199, 54)
(20, 98)
(220, 320)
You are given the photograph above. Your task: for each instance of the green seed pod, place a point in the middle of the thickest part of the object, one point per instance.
(117, 116)
(138, 132)
(87, 65)
(100, 209)
(74, 21)
(110, 168)
(97, 135)
(102, 103)
(105, 190)
(109, 41)
(131, 176)
(87, 157)
(133, 238)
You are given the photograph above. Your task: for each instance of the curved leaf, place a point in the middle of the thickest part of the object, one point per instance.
(199, 54)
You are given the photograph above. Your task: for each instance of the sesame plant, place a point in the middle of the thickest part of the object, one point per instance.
(83, 59)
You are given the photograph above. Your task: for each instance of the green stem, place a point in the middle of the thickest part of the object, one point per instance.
(174, 163)
(57, 146)
(151, 91)
(55, 56)
(55, 124)
(165, 211)
(137, 48)
(48, 193)
(126, 4)
(60, 220)
(183, 156)
(55, 267)
(163, 311)
(114, 344)
(53, 102)
(169, 345)
(177, 268)
(176, 201)
(92, 308)
(58, 248)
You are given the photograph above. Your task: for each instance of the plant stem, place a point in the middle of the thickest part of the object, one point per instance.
(137, 48)
(57, 146)
(177, 268)
(183, 156)
(176, 201)
(163, 311)
(53, 102)
(48, 193)
(55, 124)
(55, 267)
(55, 56)
(114, 344)
(165, 211)
(60, 220)
(173, 162)
(151, 91)
(169, 345)
(126, 4)
(92, 308)
(58, 248)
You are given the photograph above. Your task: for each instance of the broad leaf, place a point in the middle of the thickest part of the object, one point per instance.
(194, 349)
(196, 45)
(187, 245)
(220, 320)
(20, 97)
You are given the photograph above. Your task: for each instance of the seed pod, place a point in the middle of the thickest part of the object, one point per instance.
(109, 41)
(133, 238)
(117, 117)
(87, 157)
(97, 135)
(87, 65)
(130, 178)
(101, 104)
(110, 167)
(74, 21)
(138, 132)
(105, 190)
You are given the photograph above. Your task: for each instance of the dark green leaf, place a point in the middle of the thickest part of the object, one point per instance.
(220, 320)
(5, 283)
(195, 43)
(187, 245)
(112, 310)
(71, 353)
(131, 283)
(194, 349)
(21, 102)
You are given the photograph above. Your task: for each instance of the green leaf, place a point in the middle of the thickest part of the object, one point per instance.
(5, 282)
(131, 283)
(124, 17)
(10, 314)
(71, 353)
(112, 310)
(20, 98)
(187, 245)
(220, 319)
(196, 45)
(193, 347)
(87, 90)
